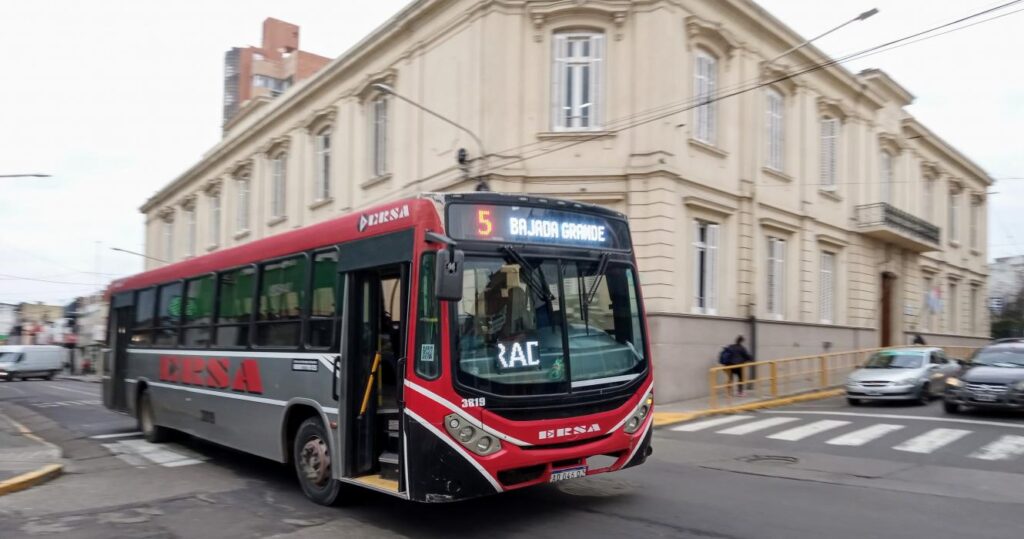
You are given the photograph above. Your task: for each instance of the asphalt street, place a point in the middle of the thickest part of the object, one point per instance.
(784, 480)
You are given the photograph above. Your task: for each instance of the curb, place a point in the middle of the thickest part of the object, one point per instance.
(30, 479)
(76, 379)
(663, 419)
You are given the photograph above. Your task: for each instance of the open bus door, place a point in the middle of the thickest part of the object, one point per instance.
(115, 391)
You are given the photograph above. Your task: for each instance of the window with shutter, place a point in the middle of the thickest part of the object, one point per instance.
(829, 146)
(705, 267)
(705, 84)
(215, 219)
(190, 231)
(954, 309)
(379, 136)
(954, 215)
(827, 300)
(928, 201)
(773, 114)
(277, 187)
(242, 212)
(323, 164)
(886, 177)
(577, 80)
(776, 277)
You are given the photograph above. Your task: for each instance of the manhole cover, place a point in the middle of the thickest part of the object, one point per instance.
(777, 460)
(596, 487)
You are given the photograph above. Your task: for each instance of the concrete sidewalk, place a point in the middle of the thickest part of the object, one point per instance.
(25, 459)
(677, 412)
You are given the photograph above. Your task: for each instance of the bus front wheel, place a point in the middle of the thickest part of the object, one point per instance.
(152, 432)
(311, 454)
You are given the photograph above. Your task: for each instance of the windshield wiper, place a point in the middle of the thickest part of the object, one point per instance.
(602, 266)
(530, 277)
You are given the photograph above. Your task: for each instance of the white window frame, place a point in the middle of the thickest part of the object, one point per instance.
(775, 278)
(322, 164)
(577, 100)
(190, 231)
(215, 219)
(829, 157)
(827, 291)
(379, 136)
(705, 83)
(244, 194)
(775, 131)
(885, 163)
(706, 236)
(278, 185)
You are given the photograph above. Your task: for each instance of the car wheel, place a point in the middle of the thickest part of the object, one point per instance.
(49, 375)
(951, 407)
(311, 454)
(852, 401)
(152, 432)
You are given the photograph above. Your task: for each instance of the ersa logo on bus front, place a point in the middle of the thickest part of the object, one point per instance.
(368, 220)
(214, 372)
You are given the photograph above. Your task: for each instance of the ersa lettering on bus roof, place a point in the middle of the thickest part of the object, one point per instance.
(369, 220)
(550, 229)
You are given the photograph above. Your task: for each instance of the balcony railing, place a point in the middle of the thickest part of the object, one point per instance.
(883, 221)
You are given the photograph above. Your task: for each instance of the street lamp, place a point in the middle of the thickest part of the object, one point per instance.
(34, 175)
(481, 185)
(120, 250)
(863, 16)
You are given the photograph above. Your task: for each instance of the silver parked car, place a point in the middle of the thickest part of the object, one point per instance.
(901, 374)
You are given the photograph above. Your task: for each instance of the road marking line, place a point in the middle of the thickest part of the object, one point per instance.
(1006, 448)
(803, 431)
(115, 435)
(865, 435)
(895, 416)
(90, 393)
(931, 440)
(701, 425)
(747, 428)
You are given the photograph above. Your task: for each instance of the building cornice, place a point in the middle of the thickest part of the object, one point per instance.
(917, 131)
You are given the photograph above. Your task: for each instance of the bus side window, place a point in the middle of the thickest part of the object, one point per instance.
(428, 361)
(199, 295)
(168, 315)
(325, 298)
(281, 302)
(235, 306)
(142, 333)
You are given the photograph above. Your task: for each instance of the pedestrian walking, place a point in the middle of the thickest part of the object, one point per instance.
(919, 340)
(735, 355)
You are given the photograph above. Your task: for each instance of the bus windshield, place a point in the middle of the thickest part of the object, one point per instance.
(526, 327)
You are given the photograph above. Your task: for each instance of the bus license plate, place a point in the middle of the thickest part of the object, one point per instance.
(568, 473)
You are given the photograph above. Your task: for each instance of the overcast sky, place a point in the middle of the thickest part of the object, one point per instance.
(116, 98)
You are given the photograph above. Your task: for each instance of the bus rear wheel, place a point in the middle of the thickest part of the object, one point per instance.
(152, 432)
(311, 454)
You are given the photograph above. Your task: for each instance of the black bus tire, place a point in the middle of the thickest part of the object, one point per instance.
(311, 456)
(152, 432)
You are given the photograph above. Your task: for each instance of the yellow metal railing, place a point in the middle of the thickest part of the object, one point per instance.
(788, 376)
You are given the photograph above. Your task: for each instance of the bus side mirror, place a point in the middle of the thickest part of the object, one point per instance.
(448, 279)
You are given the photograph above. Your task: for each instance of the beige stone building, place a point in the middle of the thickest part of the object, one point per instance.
(811, 212)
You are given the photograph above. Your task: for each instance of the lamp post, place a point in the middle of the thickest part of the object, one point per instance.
(481, 185)
(863, 16)
(34, 175)
(120, 250)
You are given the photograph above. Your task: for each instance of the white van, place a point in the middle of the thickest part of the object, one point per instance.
(38, 361)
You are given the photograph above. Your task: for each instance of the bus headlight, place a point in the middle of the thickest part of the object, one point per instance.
(640, 413)
(471, 437)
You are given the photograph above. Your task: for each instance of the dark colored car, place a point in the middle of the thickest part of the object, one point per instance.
(994, 378)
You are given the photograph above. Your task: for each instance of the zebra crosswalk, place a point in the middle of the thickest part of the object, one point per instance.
(132, 449)
(846, 433)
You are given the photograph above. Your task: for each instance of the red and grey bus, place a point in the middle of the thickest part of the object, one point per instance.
(436, 348)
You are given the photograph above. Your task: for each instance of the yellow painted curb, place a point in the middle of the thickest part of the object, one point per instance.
(30, 479)
(662, 419)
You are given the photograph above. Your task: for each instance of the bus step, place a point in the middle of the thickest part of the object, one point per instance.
(388, 465)
(387, 411)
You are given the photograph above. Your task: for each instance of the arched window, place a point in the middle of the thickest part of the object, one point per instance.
(774, 108)
(577, 80)
(323, 164)
(705, 83)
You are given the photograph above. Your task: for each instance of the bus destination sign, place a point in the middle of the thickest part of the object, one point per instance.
(524, 224)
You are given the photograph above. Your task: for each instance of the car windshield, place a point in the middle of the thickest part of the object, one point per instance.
(890, 360)
(1000, 357)
(525, 327)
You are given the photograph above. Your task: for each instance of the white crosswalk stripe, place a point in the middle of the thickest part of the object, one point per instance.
(865, 435)
(142, 453)
(755, 426)
(931, 440)
(1008, 447)
(708, 423)
(803, 431)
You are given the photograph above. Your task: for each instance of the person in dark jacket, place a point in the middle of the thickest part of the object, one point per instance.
(736, 355)
(918, 339)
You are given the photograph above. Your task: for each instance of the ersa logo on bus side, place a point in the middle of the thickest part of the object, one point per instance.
(368, 220)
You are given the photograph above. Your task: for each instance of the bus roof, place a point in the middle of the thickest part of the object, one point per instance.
(393, 216)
